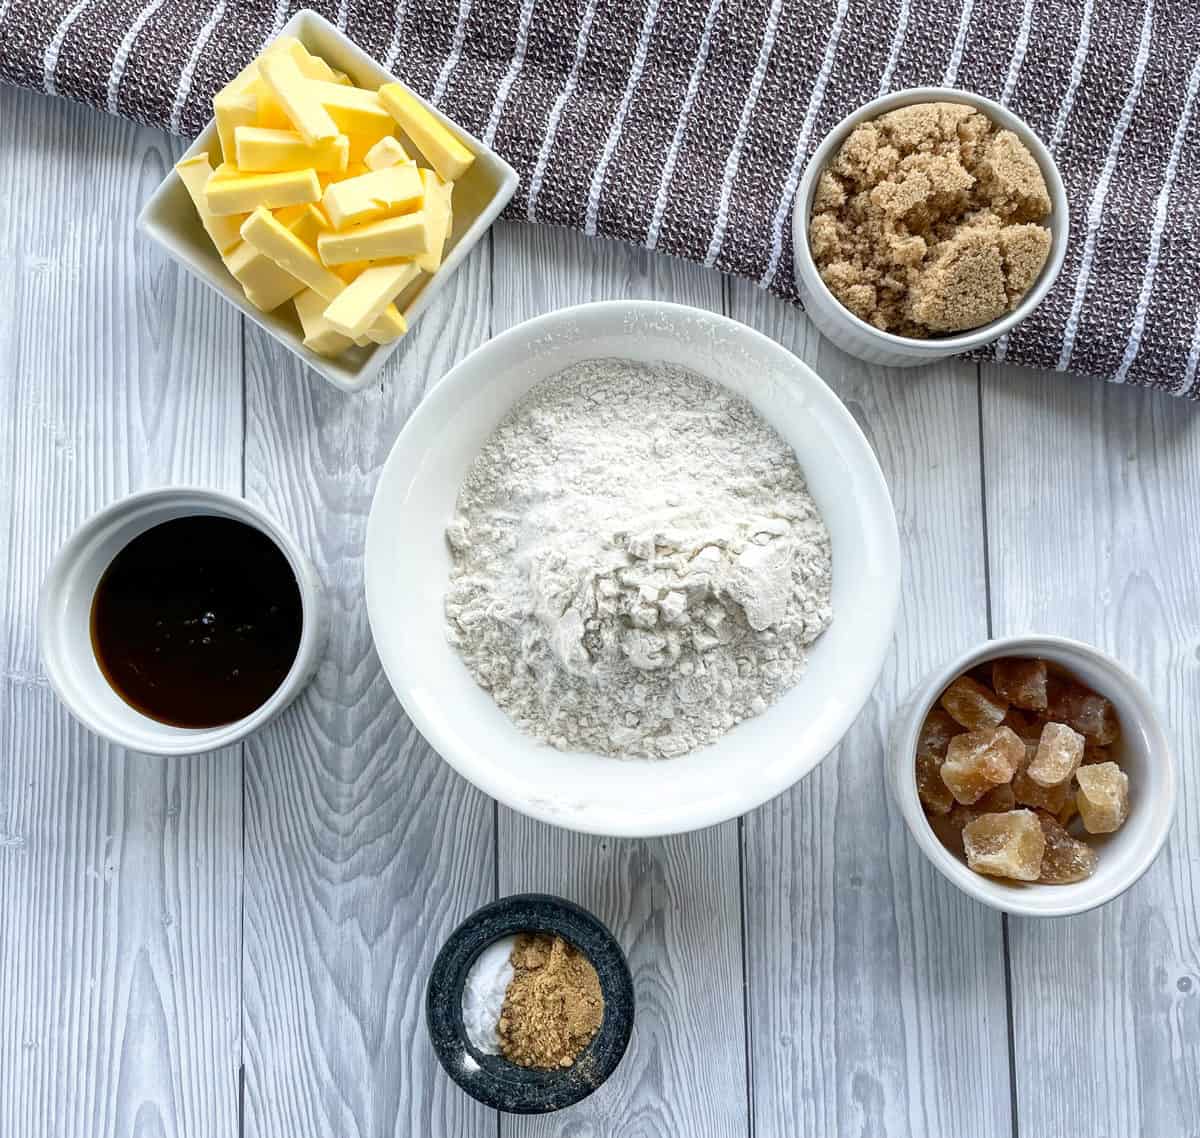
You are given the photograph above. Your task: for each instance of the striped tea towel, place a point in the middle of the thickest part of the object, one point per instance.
(683, 125)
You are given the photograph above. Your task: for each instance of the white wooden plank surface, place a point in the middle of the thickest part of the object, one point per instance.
(1093, 505)
(131, 985)
(363, 849)
(877, 995)
(674, 904)
(119, 874)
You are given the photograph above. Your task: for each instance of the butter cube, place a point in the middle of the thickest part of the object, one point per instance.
(390, 326)
(298, 98)
(378, 193)
(273, 239)
(363, 301)
(266, 285)
(310, 66)
(446, 154)
(231, 191)
(319, 335)
(262, 149)
(352, 171)
(404, 236)
(437, 215)
(354, 110)
(231, 111)
(308, 225)
(362, 144)
(350, 270)
(195, 173)
(270, 110)
(386, 152)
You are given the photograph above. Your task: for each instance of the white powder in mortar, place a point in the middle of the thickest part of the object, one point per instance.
(483, 994)
(637, 563)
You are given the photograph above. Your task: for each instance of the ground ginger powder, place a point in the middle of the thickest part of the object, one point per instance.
(553, 1005)
(926, 222)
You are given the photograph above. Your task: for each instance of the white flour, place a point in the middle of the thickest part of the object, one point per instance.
(637, 564)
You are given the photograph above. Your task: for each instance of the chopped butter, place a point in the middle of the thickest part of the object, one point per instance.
(195, 173)
(273, 239)
(446, 154)
(264, 149)
(377, 193)
(363, 301)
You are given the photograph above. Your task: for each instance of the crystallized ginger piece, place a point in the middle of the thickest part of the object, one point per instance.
(1005, 845)
(1024, 724)
(1103, 797)
(1096, 755)
(1059, 753)
(1029, 793)
(1083, 709)
(1022, 682)
(997, 800)
(1066, 859)
(936, 733)
(949, 827)
(973, 705)
(979, 760)
(934, 794)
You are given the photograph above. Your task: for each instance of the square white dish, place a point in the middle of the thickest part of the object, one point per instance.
(169, 218)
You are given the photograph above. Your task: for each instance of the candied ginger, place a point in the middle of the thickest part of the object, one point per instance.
(996, 800)
(1021, 682)
(949, 827)
(1103, 797)
(1065, 859)
(979, 760)
(1085, 710)
(1005, 845)
(1030, 793)
(936, 733)
(1059, 753)
(1025, 724)
(973, 705)
(934, 794)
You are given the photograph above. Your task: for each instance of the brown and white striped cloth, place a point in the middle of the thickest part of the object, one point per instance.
(683, 125)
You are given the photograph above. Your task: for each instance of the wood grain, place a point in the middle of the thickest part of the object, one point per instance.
(119, 873)
(1093, 502)
(363, 849)
(674, 904)
(876, 990)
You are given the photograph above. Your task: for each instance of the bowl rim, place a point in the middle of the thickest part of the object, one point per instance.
(301, 25)
(488, 777)
(171, 740)
(1059, 222)
(997, 894)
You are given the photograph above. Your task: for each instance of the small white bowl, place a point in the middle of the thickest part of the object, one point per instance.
(867, 342)
(1143, 750)
(408, 564)
(64, 621)
(169, 218)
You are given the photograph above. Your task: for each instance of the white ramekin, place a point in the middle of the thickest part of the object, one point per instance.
(169, 217)
(64, 621)
(863, 340)
(1145, 755)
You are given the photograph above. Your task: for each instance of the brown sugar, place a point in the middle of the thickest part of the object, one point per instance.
(926, 221)
(553, 1005)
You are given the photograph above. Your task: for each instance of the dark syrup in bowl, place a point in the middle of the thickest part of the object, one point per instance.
(197, 621)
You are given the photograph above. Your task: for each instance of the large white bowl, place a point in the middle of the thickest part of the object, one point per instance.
(407, 563)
